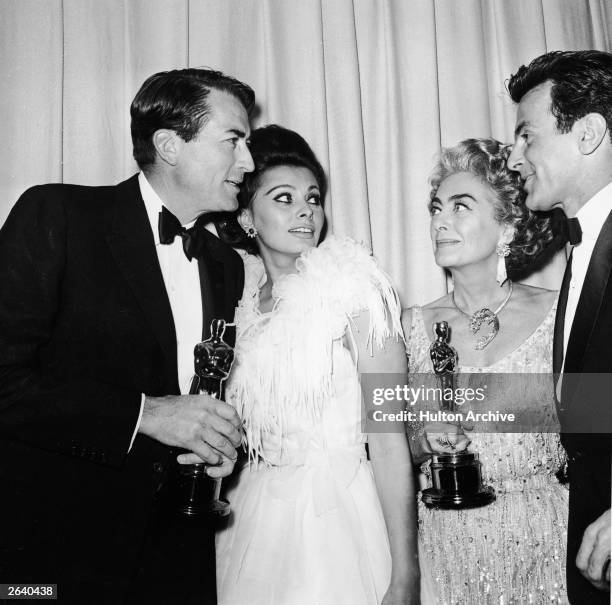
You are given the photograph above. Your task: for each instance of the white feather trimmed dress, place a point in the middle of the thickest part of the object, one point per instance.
(307, 526)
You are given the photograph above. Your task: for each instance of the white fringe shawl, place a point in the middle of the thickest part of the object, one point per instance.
(284, 358)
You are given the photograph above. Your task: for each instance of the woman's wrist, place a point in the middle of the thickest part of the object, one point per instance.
(415, 431)
(407, 577)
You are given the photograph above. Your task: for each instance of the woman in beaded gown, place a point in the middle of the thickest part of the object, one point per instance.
(313, 520)
(513, 549)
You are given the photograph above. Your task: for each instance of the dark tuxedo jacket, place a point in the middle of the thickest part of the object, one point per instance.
(85, 328)
(585, 410)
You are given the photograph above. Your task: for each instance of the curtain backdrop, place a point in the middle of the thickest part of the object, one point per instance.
(376, 87)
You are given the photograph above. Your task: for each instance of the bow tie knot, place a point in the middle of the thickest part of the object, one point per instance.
(567, 229)
(169, 227)
(574, 231)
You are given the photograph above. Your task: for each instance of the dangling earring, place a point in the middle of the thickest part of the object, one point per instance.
(502, 250)
(251, 232)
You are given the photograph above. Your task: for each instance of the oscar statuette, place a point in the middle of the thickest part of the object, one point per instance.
(455, 477)
(191, 492)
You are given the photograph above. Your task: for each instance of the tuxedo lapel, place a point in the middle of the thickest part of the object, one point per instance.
(560, 318)
(216, 280)
(210, 294)
(591, 299)
(133, 247)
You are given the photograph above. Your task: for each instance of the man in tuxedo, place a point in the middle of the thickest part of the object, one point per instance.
(563, 151)
(100, 309)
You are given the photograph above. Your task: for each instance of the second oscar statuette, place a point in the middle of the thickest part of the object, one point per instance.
(455, 477)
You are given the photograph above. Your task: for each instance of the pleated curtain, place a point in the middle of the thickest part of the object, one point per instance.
(376, 87)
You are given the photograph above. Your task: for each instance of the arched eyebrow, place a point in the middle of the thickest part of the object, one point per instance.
(452, 198)
(278, 186)
(311, 188)
(458, 196)
(239, 133)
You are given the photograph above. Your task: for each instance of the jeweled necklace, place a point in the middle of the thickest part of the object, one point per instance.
(484, 315)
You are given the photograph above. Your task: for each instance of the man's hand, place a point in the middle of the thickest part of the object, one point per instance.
(208, 427)
(594, 553)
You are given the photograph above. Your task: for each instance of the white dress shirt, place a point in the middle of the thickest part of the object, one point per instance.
(182, 281)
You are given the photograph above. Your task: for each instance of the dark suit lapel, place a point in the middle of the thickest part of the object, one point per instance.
(133, 247)
(591, 299)
(210, 294)
(560, 318)
(218, 280)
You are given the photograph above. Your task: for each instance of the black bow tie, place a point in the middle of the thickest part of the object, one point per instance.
(169, 227)
(567, 229)
(574, 232)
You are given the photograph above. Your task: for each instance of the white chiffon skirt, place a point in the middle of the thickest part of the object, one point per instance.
(306, 535)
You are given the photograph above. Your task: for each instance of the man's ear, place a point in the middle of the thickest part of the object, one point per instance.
(167, 145)
(245, 219)
(592, 129)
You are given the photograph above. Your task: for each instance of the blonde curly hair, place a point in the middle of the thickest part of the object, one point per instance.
(486, 159)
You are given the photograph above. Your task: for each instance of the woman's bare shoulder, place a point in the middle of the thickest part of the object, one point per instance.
(438, 310)
(529, 306)
(532, 295)
(440, 303)
(429, 311)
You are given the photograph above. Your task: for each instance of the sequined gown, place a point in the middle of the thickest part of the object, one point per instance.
(512, 550)
(307, 525)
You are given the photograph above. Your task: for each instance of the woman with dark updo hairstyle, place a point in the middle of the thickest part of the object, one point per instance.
(511, 550)
(315, 518)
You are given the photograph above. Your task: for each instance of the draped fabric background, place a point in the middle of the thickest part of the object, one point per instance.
(376, 87)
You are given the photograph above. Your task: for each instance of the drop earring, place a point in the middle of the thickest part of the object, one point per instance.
(502, 250)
